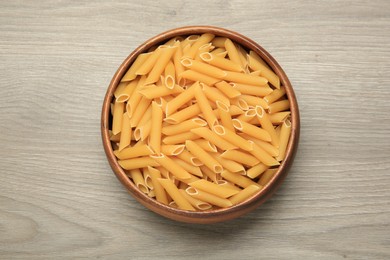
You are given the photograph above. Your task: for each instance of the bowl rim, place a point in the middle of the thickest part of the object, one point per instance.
(216, 215)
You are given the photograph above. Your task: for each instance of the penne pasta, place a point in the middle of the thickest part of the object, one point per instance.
(245, 194)
(201, 205)
(135, 163)
(131, 72)
(285, 133)
(260, 91)
(196, 76)
(245, 78)
(232, 138)
(224, 115)
(205, 107)
(159, 190)
(170, 149)
(174, 193)
(241, 157)
(266, 124)
(256, 170)
(179, 138)
(251, 130)
(265, 71)
(238, 179)
(203, 68)
(184, 126)
(126, 131)
(212, 188)
(220, 62)
(132, 152)
(203, 156)
(278, 106)
(155, 131)
(275, 95)
(207, 197)
(138, 179)
(232, 51)
(213, 138)
(171, 166)
(267, 176)
(117, 117)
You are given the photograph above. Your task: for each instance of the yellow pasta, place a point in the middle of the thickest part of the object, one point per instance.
(285, 133)
(198, 123)
(174, 193)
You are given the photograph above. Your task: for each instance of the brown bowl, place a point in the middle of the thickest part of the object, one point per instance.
(217, 215)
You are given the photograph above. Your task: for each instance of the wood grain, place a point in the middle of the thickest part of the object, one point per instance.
(60, 199)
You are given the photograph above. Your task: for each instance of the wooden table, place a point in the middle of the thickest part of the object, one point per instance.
(59, 197)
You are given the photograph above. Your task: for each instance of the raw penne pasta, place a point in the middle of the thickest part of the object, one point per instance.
(203, 68)
(208, 197)
(241, 157)
(184, 126)
(117, 117)
(278, 106)
(138, 179)
(220, 62)
(171, 166)
(203, 156)
(213, 188)
(245, 194)
(139, 162)
(285, 133)
(171, 149)
(260, 91)
(198, 123)
(238, 179)
(232, 138)
(201, 205)
(256, 170)
(155, 131)
(224, 115)
(267, 176)
(159, 190)
(227, 89)
(131, 73)
(174, 193)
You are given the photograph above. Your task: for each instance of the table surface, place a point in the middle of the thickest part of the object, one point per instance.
(60, 199)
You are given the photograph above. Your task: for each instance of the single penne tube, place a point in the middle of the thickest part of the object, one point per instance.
(155, 131)
(258, 58)
(267, 176)
(245, 78)
(132, 152)
(228, 164)
(181, 99)
(219, 42)
(285, 133)
(227, 89)
(232, 138)
(209, 135)
(174, 193)
(127, 91)
(135, 97)
(179, 138)
(240, 157)
(206, 145)
(171, 166)
(263, 156)
(218, 51)
(119, 89)
(213, 94)
(171, 150)
(209, 174)
(169, 75)
(265, 72)
(237, 179)
(135, 163)
(179, 68)
(139, 111)
(224, 115)
(155, 92)
(245, 194)
(125, 132)
(220, 62)
(254, 101)
(159, 190)
(138, 179)
(279, 106)
(232, 51)
(205, 107)
(203, 39)
(147, 179)
(161, 63)
(203, 68)
(207, 197)
(267, 125)
(277, 130)
(203, 156)
(260, 91)
(196, 76)
(184, 126)
(117, 117)
(229, 185)
(275, 95)
(143, 131)
(183, 114)
(198, 204)
(242, 54)
(256, 170)
(188, 157)
(188, 167)
(251, 130)
(278, 118)
(148, 64)
(130, 74)
(212, 188)
(269, 148)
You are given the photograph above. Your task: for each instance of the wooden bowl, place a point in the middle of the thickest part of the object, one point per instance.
(217, 215)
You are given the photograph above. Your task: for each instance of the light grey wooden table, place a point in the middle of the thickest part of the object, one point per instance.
(59, 198)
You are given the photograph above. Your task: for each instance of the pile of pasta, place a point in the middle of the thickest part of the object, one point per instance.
(199, 123)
